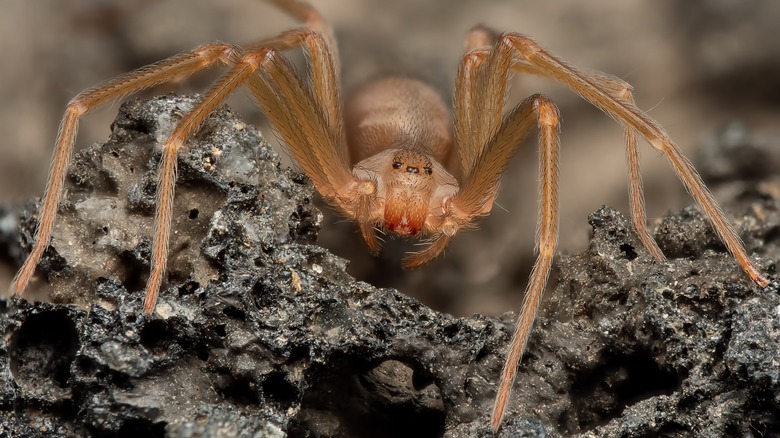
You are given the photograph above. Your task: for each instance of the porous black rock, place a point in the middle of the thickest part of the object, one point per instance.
(259, 332)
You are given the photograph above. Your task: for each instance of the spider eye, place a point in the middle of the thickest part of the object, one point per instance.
(397, 164)
(428, 170)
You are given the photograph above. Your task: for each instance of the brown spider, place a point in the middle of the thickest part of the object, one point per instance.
(384, 158)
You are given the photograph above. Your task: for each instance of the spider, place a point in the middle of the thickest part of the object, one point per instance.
(391, 156)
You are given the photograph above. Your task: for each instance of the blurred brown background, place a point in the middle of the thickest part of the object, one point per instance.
(695, 65)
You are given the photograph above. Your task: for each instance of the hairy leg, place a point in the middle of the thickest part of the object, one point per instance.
(175, 67)
(476, 121)
(166, 183)
(546, 242)
(296, 113)
(629, 115)
(621, 91)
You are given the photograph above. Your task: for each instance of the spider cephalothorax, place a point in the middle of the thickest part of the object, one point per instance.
(392, 156)
(411, 187)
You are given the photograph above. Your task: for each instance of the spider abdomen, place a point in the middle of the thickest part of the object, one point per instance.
(397, 112)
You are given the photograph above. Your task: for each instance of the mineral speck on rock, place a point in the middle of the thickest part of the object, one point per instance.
(259, 332)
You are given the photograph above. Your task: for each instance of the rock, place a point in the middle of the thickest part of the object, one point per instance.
(260, 332)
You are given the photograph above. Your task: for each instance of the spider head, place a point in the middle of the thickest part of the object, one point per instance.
(409, 183)
(411, 187)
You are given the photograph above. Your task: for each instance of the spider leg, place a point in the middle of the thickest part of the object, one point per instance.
(324, 72)
(484, 143)
(325, 64)
(419, 258)
(325, 90)
(621, 91)
(546, 242)
(166, 181)
(624, 112)
(480, 37)
(298, 115)
(309, 15)
(177, 66)
(476, 121)
(468, 147)
(295, 113)
(470, 98)
(636, 196)
(478, 192)
(325, 68)
(611, 95)
(466, 97)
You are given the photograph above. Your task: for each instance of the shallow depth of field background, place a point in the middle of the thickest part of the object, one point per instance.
(695, 66)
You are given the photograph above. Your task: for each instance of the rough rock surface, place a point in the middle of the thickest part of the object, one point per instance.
(259, 332)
